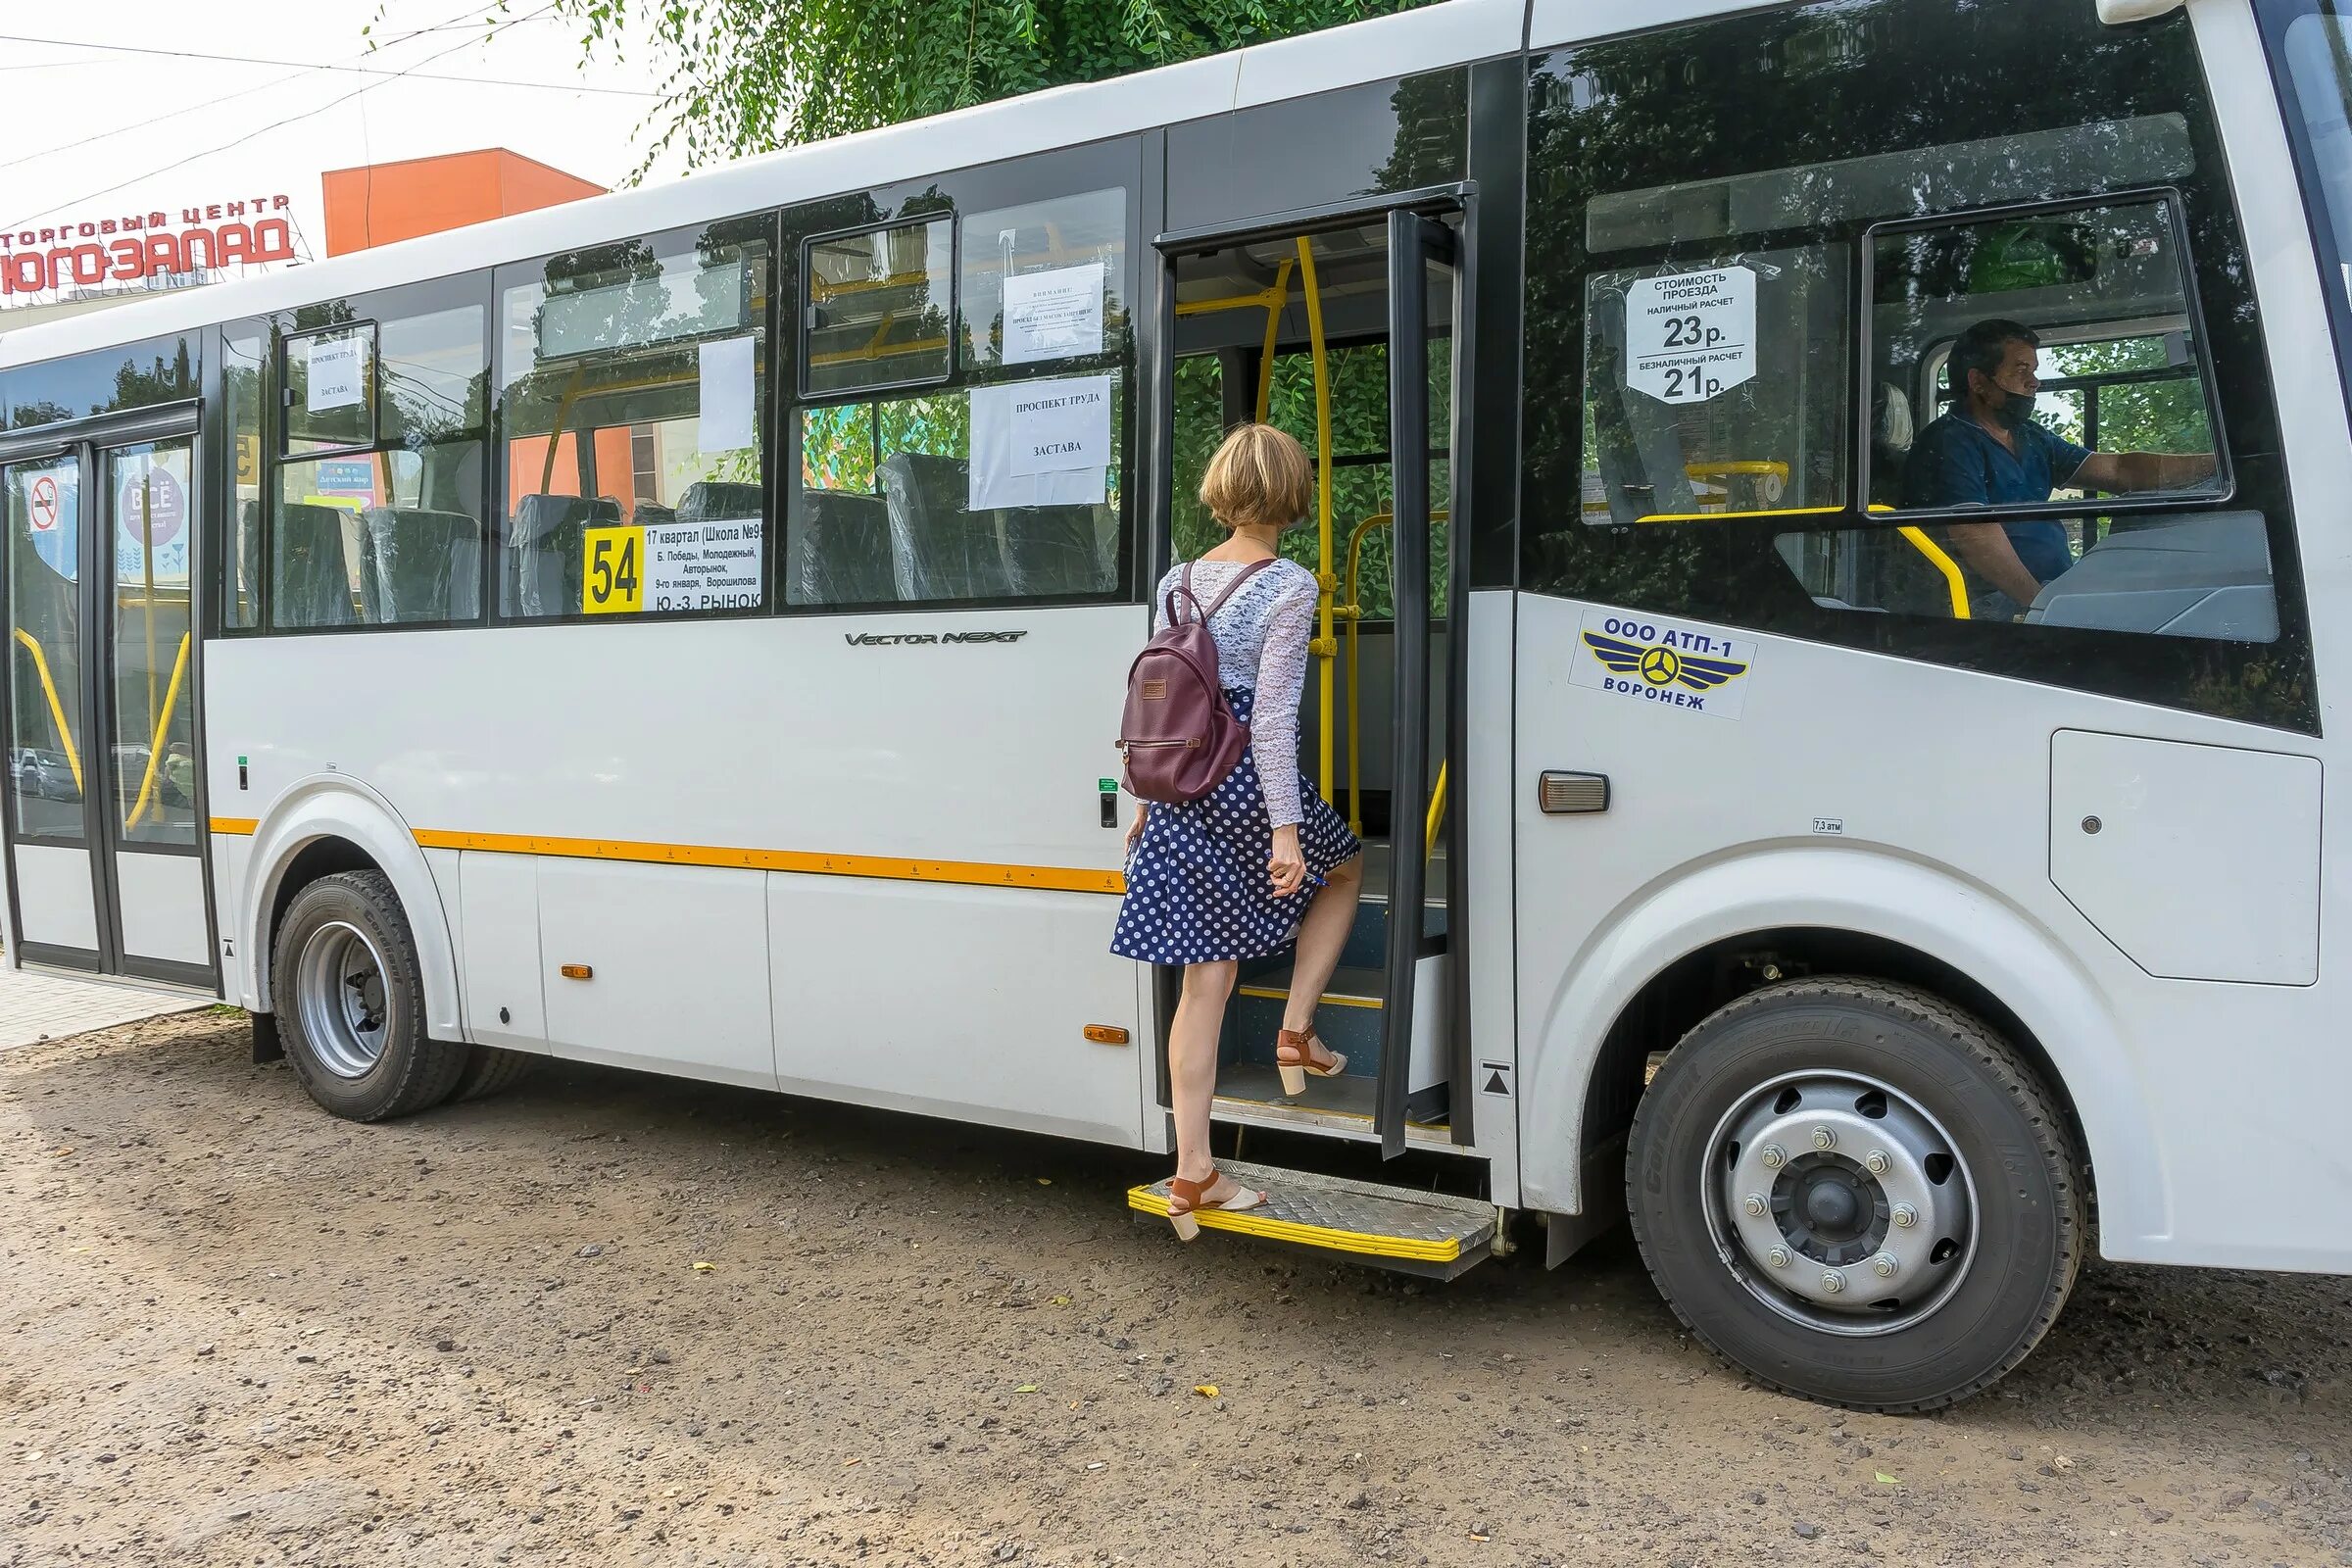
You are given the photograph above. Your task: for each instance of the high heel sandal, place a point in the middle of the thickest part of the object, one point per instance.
(1183, 1196)
(1294, 1055)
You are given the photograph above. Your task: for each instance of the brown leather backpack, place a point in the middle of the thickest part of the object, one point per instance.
(1179, 735)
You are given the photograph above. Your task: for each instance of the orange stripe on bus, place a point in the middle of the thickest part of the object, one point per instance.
(973, 873)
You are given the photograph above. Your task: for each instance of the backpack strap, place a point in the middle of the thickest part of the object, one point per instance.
(1231, 588)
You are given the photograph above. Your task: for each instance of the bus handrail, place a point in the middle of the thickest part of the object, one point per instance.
(1954, 582)
(57, 711)
(154, 749)
(1353, 613)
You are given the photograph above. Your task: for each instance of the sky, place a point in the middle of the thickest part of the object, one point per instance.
(126, 105)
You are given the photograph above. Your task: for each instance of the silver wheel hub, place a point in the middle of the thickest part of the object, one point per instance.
(339, 992)
(1841, 1203)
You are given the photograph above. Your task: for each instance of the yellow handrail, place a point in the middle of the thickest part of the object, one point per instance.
(57, 711)
(1437, 811)
(1325, 648)
(154, 749)
(1954, 582)
(1353, 613)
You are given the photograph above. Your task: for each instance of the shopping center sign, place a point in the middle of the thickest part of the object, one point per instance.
(132, 248)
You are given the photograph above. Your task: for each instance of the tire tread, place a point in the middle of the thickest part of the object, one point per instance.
(2003, 1066)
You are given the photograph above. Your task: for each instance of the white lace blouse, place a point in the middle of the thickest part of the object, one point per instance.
(1261, 635)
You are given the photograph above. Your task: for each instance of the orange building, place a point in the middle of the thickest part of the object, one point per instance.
(386, 202)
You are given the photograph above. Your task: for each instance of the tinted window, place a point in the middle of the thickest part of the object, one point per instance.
(632, 421)
(1003, 481)
(1310, 152)
(47, 753)
(142, 376)
(244, 351)
(375, 507)
(1728, 287)
(877, 308)
(2311, 52)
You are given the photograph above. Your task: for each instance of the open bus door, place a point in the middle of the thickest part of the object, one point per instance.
(1347, 315)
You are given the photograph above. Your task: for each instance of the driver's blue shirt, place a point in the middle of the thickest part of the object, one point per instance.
(1957, 462)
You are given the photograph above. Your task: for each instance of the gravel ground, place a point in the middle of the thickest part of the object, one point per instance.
(611, 1318)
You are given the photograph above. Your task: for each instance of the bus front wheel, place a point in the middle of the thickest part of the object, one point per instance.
(350, 1001)
(1856, 1192)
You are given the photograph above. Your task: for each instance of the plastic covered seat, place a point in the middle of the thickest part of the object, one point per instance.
(309, 575)
(1053, 552)
(939, 549)
(544, 553)
(420, 565)
(841, 551)
(713, 500)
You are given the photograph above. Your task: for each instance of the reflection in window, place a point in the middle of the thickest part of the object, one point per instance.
(388, 531)
(46, 751)
(897, 507)
(1045, 282)
(630, 421)
(1717, 387)
(2054, 358)
(242, 552)
(878, 308)
(152, 769)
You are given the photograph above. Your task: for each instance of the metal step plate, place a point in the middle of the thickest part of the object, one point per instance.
(1397, 1227)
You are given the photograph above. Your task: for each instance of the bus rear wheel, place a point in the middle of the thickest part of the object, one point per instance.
(350, 1001)
(1856, 1192)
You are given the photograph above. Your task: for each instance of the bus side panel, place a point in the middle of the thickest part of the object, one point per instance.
(973, 1004)
(941, 796)
(1909, 802)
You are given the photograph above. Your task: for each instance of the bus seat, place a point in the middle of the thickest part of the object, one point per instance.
(717, 501)
(310, 574)
(1052, 551)
(420, 565)
(544, 543)
(938, 548)
(841, 551)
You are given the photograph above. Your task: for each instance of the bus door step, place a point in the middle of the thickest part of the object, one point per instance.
(1401, 1228)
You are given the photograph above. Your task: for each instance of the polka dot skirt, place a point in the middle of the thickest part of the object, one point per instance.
(1197, 885)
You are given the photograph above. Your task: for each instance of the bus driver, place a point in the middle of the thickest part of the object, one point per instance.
(1988, 450)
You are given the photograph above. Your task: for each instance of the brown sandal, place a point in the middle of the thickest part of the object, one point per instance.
(1302, 1053)
(1183, 1196)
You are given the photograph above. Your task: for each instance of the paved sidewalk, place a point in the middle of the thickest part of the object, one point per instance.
(43, 1006)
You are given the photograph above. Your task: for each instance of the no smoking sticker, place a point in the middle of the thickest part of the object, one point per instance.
(45, 504)
(1689, 336)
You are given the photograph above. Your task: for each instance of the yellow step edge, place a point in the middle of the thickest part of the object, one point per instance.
(1283, 993)
(1252, 1222)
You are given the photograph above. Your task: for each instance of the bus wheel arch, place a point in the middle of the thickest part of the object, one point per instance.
(324, 827)
(1684, 993)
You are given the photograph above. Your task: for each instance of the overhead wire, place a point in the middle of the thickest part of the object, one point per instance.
(306, 66)
(226, 97)
(277, 125)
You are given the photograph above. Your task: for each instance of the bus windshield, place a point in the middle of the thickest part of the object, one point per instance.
(2311, 51)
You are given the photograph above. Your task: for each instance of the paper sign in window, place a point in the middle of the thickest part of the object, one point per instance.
(1689, 336)
(729, 381)
(1041, 443)
(1054, 315)
(336, 370)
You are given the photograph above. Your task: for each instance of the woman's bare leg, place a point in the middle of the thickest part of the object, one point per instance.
(1321, 936)
(1192, 1061)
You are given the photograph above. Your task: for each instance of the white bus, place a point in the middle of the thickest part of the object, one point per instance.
(685, 630)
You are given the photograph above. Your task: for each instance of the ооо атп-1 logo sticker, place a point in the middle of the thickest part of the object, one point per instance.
(1666, 664)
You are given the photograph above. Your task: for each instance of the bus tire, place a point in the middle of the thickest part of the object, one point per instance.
(350, 1001)
(490, 1071)
(1893, 1141)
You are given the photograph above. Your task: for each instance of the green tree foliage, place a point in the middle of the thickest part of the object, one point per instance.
(746, 76)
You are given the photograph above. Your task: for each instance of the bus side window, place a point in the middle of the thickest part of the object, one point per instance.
(1002, 486)
(371, 467)
(632, 420)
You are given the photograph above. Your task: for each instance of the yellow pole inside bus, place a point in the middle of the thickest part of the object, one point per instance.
(1325, 646)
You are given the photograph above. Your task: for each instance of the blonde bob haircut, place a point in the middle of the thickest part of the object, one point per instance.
(1259, 479)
